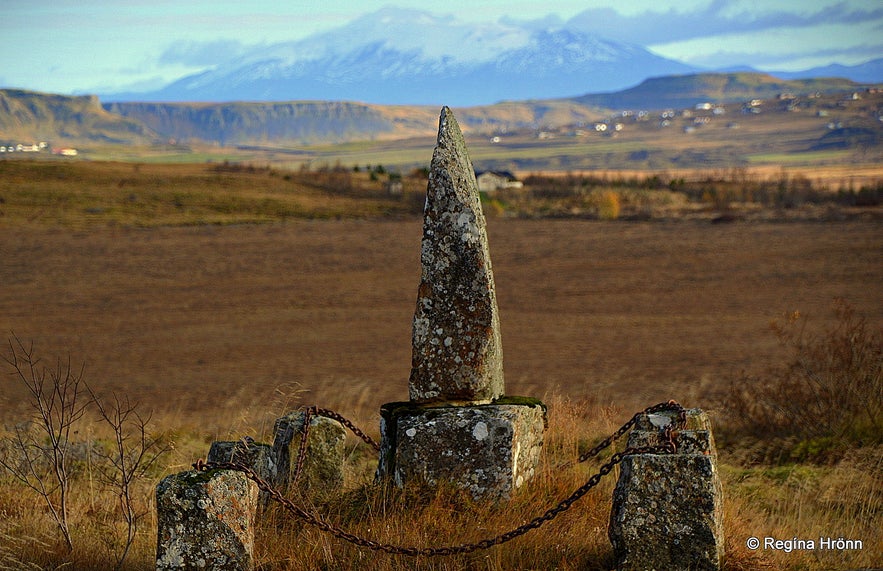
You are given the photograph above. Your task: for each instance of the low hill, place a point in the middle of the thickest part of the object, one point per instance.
(28, 116)
(323, 122)
(680, 91)
(256, 123)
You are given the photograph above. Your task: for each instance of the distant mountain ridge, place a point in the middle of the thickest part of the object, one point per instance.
(28, 116)
(319, 122)
(868, 72)
(257, 122)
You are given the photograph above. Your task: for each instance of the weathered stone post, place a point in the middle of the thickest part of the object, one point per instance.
(205, 520)
(668, 508)
(257, 456)
(322, 472)
(458, 426)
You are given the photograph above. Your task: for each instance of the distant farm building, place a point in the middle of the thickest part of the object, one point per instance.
(489, 181)
(395, 187)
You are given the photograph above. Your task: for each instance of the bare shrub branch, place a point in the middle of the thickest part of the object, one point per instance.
(37, 454)
(130, 455)
(829, 391)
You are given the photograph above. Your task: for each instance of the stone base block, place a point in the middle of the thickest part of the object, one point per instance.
(205, 520)
(489, 450)
(668, 508)
(323, 466)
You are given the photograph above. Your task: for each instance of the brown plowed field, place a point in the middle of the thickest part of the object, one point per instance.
(199, 319)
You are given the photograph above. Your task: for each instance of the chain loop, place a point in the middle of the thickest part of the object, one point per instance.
(317, 521)
(302, 448)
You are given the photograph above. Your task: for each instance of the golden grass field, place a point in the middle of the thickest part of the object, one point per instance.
(217, 330)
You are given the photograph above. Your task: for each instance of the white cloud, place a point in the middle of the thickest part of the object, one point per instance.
(208, 53)
(722, 19)
(780, 48)
(99, 42)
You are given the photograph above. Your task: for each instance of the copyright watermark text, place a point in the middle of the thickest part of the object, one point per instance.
(798, 544)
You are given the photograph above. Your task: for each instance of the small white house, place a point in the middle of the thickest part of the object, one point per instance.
(489, 181)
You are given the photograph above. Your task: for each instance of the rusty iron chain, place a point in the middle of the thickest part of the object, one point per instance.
(670, 405)
(668, 447)
(309, 413)
(348, 424)
(302, 449)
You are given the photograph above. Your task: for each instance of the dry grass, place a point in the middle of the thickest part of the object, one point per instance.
(806, 502)
(443, 517)
(831, 176)
(825, 399)
(782, 502)
(218, 330)
(85, 195)
(82, 195)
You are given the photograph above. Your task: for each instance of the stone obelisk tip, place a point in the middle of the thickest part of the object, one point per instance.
(457, 354)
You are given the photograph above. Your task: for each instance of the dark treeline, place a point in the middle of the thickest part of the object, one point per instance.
(730, 186)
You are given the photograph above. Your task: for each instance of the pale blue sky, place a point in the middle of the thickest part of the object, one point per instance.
(78, 46)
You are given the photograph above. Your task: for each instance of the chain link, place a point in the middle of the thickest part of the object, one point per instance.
(670, 405)
(309, 413)
(302, 448)
(348, 424)
(668, 447)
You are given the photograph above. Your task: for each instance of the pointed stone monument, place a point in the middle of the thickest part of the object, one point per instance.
(458, 426)
(457, 354)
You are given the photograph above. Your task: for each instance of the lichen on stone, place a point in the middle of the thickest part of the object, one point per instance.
(457, 352)
(488, 450)
(323, 467)
(667, 508)
(205, 520)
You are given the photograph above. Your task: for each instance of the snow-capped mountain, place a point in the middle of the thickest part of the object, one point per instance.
(413, 57)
